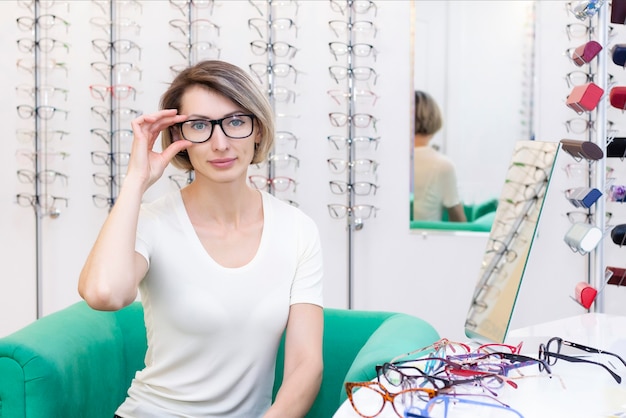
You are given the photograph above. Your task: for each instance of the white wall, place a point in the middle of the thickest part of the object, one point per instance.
(426, 274)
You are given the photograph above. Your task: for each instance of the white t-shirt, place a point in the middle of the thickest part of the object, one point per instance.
(434, 184)
(213, 332)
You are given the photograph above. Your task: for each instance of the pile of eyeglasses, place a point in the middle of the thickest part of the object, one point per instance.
(451, 379)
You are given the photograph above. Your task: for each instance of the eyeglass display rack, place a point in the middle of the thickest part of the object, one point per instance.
(41, 24)
(114, 95)
(193, 31)
(355, 221)
(273, 14)
(596, 26)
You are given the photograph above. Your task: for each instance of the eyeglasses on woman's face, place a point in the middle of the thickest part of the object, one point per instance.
(201, 130)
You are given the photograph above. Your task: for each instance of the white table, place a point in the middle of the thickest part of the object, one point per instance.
(589, 391)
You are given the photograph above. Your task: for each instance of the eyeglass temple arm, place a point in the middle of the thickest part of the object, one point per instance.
(593, 350)
(617, 377)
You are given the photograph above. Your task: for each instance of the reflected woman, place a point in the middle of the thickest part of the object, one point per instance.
(434, 175)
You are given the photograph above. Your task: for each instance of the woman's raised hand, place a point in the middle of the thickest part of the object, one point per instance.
(147, 165)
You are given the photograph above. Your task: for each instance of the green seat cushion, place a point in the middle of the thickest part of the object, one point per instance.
(399, 334)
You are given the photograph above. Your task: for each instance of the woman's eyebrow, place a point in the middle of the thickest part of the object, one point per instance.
(204, 117)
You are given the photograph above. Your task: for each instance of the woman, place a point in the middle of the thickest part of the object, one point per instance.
(434, 174)
(222, 268)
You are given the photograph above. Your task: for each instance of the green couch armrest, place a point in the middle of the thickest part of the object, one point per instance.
(74, 363)
(398, 334)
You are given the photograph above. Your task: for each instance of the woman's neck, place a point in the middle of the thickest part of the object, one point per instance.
(421, 140)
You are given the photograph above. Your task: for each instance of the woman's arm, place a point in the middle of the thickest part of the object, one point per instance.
(110, 277)
(457, 213)
(303, 362)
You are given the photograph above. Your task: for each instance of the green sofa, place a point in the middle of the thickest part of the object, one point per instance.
(480, 217)
(78, 362)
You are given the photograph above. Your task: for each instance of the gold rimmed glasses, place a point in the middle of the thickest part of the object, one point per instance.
(439, 348)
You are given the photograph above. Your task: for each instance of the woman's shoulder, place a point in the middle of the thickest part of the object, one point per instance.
(162, 204)
(284, 211)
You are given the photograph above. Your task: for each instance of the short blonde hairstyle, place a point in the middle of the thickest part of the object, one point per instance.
(428, 118)
(233, 83)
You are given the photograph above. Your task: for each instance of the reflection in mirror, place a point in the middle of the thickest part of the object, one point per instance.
(510, 240)
(475, 58)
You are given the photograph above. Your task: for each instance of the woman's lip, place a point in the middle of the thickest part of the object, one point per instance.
(223, 162)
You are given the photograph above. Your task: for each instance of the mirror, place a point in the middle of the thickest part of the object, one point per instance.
(476, 60)
(510, 240)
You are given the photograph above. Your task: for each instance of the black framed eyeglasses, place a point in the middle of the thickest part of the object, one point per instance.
(551, 352)
(201, 130)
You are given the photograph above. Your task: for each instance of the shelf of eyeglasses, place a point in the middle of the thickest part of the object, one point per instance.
(50, 205)
(264, 7)
(24, 155)
(127, 6)
(361, 7)
(28, 136)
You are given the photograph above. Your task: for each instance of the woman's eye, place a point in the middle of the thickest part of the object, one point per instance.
(199, 125)
(236, 122)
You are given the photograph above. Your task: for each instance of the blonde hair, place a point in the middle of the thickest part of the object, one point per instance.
(233, 83)
(428, 118)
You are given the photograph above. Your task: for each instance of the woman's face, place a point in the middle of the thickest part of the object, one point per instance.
(220, 159)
